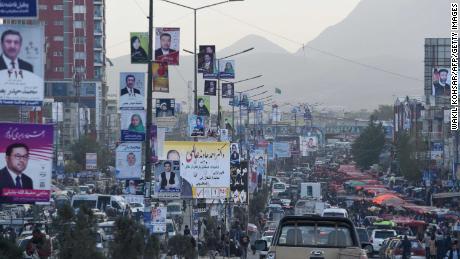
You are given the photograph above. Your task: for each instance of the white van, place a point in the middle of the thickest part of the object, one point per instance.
(99, 201)
(335, 212)
(173, 209)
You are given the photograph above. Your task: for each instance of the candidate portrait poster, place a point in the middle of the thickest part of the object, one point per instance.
(204, 105)
(204, 167)
(167, 179)
(210, 87)
(308, 144)
(206, 63)
(139, 47)
(227, 69)
(160, 77)
(196, 126)
(227, 90)
(132, 91)
(441, 79)
(155, 219)
(128, 161)
(239, 182)
(167, 45)
(165, 107)
(132, 125)
(22, 65)
(209, 49)
(27, 150)
(257, 169)
(134, 187)
(234, 154)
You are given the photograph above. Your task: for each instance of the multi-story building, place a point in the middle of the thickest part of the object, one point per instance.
(75, 64)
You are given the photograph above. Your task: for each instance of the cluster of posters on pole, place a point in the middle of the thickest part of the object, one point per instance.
(129, 161)
(257, 169)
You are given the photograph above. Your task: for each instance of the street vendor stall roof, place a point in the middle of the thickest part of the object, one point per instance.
(446, 195)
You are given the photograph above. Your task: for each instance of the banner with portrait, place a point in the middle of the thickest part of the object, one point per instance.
(134, 187)
(139, 47)
(196, 126)
(132, 125)
(227, 69)
(228, 90)
(210, 87)
(128, 161)
(441, 80)
(28, 151)
(257, 168)
(204, 105)
(160, 77)
(239, 182)
(437, 150)
(234, 154)
(167, 45)
(167, 179)
(308, 144)
(155, 219)
(132, 91)
(22, 65)
(204, 168)
(165, 107)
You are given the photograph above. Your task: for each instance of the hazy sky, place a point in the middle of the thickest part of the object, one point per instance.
(285, 22)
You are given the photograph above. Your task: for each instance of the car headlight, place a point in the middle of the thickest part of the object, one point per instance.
(271, 255)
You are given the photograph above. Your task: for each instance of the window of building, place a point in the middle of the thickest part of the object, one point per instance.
(57, 53)
(98, 42)
(58, 23)
(79, 40)
(79, 9)
(97, 11)
(80, 55)
(97, 57)
(58, 7)
(98, 27)
(59, 69)
(58, 38)
(43, 7)
(79, 69)
(79, 24)
(97, 72)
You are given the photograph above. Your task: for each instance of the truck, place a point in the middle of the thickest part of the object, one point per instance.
(310, 190)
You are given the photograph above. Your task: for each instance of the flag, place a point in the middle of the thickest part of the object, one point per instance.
(277, 91)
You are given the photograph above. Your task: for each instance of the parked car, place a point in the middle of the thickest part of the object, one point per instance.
(417, 250)
(378, 235)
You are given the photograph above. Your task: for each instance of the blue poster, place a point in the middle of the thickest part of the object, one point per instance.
(18, 9)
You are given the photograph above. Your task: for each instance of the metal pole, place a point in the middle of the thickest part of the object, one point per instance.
(233, 119)
(148, 161)
(239, 127)
(196, 67)
(219, 88)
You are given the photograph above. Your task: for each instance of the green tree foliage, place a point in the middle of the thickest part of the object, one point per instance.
(9, 250)
(129, 239)
(181, 246)
(383, 113)
(72, 166)
(86, 144)
(152, 248)
(368, 146)
(257, 204)
(406, 156)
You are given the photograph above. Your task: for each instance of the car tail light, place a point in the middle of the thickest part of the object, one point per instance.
(271, 255)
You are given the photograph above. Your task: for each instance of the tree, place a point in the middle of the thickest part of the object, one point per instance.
(368, 146)
(257, 204)
(129, 239)
(86, 144)
(181, 246)
(152, 248)
(406, 155)
(72, 166)
(383, 113)
(9, 250)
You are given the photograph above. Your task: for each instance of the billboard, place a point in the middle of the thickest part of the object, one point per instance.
(155, 219)
(441, 81)
(196, 126)
(139, 47)
(134, 187)
(308, 144)
(281, 149)
(204, 104)
(227, 69)
(257, 166)
(210, 87)
(132, 125)
(132, 93)
(228, 90)
(239, 183)
(167, 45)
(91, 161)
(165, 107)
(22, 65)
(24, 9)
(167, 179)
(128, 161)
(204, 167)
(26, 157)
(160, 77)
(206, 63)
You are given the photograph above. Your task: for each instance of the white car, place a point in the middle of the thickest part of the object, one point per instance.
(378, 235)
(335, 212)
(136, 207)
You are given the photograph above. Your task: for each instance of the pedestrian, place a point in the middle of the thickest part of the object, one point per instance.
(244, 243)
(226, 243)
(38, 246)
(432, 246)
(406, 248)
(186, 231)
(454, 252)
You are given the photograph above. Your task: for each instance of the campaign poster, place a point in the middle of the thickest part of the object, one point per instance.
(239, 183)
(27, 150)
(308, 144)
(234, 154)
(132, 125)
(167, 179)
(134, 198)
(160, 77)
(24, 9)
(91, 161)
(204, 104)
(257, 167)
(196, 126)
(157, 138)
(228, 123)
(134, 187)
(167, 45)
(209, 49)
(269, 133)
(139, 47)
(281, 149)
(437, 150)
(227, 90)
(223, 135)
(132, 93)
(165, 107)
(206, 63)
(204, 167)
(155, 219)
(407, 116)
(210, 87)
(22, 65)
(128, 161)
(227, 69)
(441, 78)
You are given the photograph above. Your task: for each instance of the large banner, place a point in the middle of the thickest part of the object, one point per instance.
(22, 65)
(139, 47)
(239, 182)
(155, 219)
(167, 178)
(308, 144)
(132, 95)
(24, 9)
(227, 69)
(132, 125)
(165, 107)
(228, 90)
(204, 104)
(257, 166)
(26, 157)
(160, 77)
(210, 87)
(281, 149)
(441, 82)
(205, 167)
(196, 126)
(128, 161)
(167, 45)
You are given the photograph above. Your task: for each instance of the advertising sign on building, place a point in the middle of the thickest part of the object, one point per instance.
(91, 161)
(23, 9)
